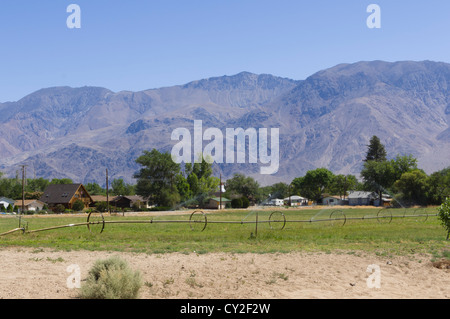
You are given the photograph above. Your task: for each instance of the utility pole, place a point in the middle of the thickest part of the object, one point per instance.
(220, 192)
(107, 192)
(23, 188)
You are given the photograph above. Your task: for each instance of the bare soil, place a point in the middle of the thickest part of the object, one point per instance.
(42, 274)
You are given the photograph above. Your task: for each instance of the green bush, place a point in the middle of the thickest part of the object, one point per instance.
(78, 205)
(59, 208)
(111, 279)
(245, 202)
(101, 206)
(444, 215)
(236, 203)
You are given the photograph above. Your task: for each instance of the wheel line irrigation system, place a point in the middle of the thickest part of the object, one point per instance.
(198, 220)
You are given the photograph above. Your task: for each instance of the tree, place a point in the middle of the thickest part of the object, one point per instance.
(239, 184)
(36, 184)
(279, 190)
(439, 186)
(341, 184)
(412, 187)
(200, 180)
(183, 187)
(61, 181)
(403, 164)
(95, 189)
(119, 187)
(444, 215)
(314, 183)
(376, 151)
(156, 180)
(378, 176)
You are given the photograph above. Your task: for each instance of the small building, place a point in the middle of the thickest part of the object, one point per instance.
(296, 200)
(66, 195)
(127, 201)
(32, 205)
(6, 202)
(386, 201)
(214, 203)
(277, 202)
(332, 200)
(357, 198)
(99, 198)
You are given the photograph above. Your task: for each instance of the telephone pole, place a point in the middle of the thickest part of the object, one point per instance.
(23, 187)
(107, 192)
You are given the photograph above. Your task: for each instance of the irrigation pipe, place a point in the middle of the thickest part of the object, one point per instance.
(204, 221)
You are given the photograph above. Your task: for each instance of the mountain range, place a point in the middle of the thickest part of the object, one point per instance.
(325, 120)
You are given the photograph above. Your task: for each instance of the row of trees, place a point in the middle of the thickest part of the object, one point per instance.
(399, 177)
(169, 184)
(402, 177)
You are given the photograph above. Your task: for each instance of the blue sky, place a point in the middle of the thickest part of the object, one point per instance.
(137, 45)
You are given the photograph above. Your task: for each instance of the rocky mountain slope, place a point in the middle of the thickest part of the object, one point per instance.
(325, 120)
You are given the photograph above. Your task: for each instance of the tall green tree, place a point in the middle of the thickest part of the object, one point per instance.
(95, 189)
(200, 180)
(156, 180)
(439, 186)
(412, 187)
(341, 184)
(403, 164)
(378, 176)
(119, 187)
(376, 151)
(243, 185)
(314, 183)
(10, 187)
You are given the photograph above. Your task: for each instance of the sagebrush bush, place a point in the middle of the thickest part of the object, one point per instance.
(111, 278)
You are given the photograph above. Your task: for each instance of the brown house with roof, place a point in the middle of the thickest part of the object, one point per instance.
(65, 194)
(128, 201)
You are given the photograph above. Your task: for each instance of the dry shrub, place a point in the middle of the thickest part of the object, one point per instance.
(111, 279)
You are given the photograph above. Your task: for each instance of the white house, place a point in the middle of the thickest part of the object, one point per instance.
(277, 202)
(296, 200)
(33, 205)
(361, 198)
(331, 200)
(5, 202)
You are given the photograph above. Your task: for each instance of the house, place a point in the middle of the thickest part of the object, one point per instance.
(386, 201)
(33, 205)
(66, 195)
(5, 202)
(357, 198)
(331, 200)
(276, 202)
(127, 201)
(99, 198)
(296, 200)
(214, 203)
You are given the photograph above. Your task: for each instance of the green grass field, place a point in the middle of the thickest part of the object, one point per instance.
(397, 236)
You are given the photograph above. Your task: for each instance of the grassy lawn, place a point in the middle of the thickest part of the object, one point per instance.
(399, 236)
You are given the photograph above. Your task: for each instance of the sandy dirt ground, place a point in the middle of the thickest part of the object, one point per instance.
(43, 274)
